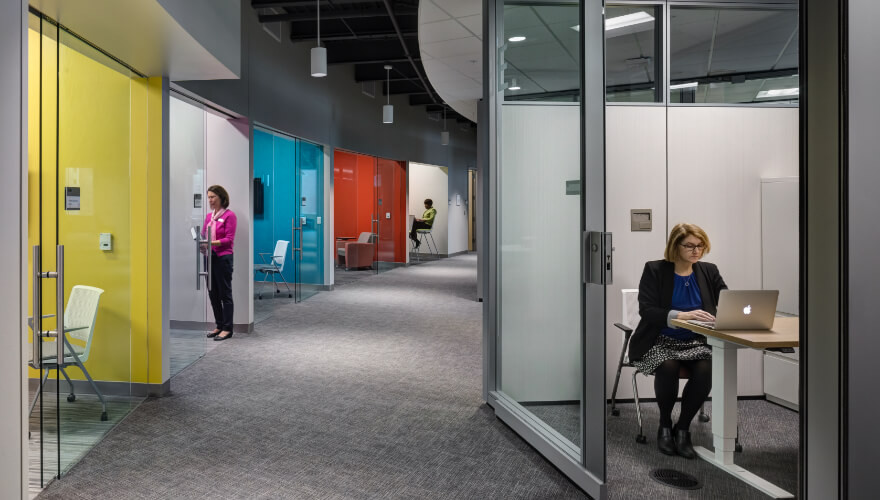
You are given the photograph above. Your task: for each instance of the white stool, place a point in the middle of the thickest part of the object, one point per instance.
(427, 238)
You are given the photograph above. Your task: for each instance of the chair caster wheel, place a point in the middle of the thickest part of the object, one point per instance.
(704, 418)
(641, 439)
(104, 416)
(71, 398)
(738, 448)
(615, 412)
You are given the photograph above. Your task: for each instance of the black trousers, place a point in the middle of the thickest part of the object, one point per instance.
(417, 224)
(221, 291)
(695, 391)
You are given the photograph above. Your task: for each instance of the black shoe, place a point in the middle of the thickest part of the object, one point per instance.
(418, 244)
(683, 446)
(213, 334)
(665, 442)
(217, 339)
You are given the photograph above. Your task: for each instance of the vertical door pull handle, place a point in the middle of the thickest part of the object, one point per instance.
(37, 324)
(59, 303)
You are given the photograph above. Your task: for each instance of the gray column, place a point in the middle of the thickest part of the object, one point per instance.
(863, 207)
(13, 257)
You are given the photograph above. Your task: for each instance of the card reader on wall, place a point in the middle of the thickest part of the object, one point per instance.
(105, 242)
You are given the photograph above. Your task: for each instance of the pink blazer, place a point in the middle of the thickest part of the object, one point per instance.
(222, 229)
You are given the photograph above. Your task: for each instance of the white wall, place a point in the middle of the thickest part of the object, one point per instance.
(13, 254)
(458, 213)
(329, 241)
(431, 181)
(539, 242)
(229, 165)
(716, 159)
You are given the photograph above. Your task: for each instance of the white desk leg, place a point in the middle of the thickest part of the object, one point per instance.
(724, 419)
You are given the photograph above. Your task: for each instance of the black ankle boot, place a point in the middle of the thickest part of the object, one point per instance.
(665, 441)
(683, 446)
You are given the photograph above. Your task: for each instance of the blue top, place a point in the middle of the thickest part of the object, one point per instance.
(685, 297)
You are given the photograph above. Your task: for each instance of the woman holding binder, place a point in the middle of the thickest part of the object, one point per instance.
(678, 287)
(219, 230)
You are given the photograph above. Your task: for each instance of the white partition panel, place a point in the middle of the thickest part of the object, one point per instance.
(228, 159)
(539, 253)
(717, 157)
(431, 181)
(635, 178)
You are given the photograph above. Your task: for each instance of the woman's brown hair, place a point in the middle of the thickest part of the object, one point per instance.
(681, 231)
(221, 193)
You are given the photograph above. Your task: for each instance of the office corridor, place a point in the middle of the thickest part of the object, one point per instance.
(370, 391)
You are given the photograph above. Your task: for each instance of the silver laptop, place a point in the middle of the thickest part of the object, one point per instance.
(744, 310)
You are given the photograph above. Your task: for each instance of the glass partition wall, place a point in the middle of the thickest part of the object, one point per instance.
(87, 158)
(545, 313)
(288, 220)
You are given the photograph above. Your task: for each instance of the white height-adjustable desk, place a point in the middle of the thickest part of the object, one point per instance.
(724, 345)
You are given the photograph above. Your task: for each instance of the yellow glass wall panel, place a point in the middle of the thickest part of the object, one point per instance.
(107, 124)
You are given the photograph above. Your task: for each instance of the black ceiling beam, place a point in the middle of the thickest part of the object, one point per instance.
(373, 72)
(267, 4)
(339, 14)
(404, 87)
(364, 51)
(349, 36)
(393, 17)
(420, 99)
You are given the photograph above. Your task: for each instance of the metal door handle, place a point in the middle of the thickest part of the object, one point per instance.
(300, 247)
(37, 325)
(207, 256)
(59, 302)
(598, 263)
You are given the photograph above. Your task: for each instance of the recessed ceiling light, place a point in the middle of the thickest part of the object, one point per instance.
(683, 85)
(764, 94)
(576, 27)
(628, 20)
(513, 85)
(517, 38)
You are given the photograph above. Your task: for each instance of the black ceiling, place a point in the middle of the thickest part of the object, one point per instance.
(368, 34)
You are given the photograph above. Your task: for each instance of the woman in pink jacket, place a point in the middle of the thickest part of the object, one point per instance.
(219, 226)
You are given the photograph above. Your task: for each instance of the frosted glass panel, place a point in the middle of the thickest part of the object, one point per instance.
(539, 247)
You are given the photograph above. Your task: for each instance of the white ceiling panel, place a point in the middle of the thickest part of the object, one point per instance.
(429, 13)
(450, 48)
(474, 24)
(441, 31)
(461, 8)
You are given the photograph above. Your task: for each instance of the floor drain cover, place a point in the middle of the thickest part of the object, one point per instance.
(676, 479)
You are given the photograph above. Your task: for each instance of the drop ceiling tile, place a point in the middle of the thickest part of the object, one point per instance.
(451, 48)
(460, 8)
(441, 31)
(474, 24)
(429, 13)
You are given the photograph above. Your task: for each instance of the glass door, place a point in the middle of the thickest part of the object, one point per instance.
(188, 208)
(391, 221)
(547, 218)
(88, 141)
(310, 186)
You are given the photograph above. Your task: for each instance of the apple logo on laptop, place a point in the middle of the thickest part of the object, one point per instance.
(747, 309)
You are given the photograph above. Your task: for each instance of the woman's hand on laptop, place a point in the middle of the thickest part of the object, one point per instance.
(697, 314)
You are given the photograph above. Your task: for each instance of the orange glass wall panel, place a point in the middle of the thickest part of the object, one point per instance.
(391, 187)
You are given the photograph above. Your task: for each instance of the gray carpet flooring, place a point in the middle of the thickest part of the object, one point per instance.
(371, 391)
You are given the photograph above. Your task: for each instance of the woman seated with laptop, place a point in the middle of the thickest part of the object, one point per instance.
(677, 287)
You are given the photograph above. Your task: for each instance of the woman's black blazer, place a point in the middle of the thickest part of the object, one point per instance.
(655, 300)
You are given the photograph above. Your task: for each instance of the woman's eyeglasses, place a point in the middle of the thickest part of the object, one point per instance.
(691, 247)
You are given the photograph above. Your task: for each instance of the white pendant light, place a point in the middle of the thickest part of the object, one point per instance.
(388, 109)
(444, 136)
(319, 54)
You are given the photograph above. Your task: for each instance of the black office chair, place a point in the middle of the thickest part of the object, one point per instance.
(630, 314)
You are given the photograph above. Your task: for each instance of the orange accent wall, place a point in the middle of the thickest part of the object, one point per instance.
(357, 179)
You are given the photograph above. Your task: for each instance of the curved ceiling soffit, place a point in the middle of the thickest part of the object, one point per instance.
(451, 48)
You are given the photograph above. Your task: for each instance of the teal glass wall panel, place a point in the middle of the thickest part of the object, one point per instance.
(311, 167)
(285, 199)
(264, 164)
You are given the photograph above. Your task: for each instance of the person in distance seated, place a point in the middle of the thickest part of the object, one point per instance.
(678, 287)
(426, 222)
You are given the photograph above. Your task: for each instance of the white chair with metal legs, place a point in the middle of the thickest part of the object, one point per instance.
(630, 317)
(427, 238)
(79, 324)
(274, 266)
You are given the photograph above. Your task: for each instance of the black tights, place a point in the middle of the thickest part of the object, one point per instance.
(695, 391)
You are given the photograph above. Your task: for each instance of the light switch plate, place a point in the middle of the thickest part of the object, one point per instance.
(105, 242)
(319, 220)
(387, 215)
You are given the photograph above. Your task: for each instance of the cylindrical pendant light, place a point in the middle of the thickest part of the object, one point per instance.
(388, 109)
(319, 54)
(444, 136)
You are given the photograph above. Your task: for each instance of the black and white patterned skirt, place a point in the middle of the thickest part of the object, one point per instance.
(669, 348)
